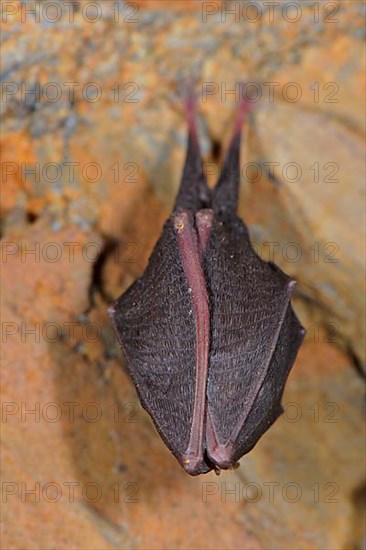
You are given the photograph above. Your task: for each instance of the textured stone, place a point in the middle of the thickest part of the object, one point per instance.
(304, 469)
(318, 242)
(121, 123)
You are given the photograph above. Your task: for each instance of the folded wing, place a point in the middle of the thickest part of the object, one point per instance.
(254, 340)
(154, 324)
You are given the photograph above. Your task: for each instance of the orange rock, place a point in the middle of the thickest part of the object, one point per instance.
(59, 350)
(17, 153)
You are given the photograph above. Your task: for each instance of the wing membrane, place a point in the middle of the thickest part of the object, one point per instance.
(154, 323)
(248, 313)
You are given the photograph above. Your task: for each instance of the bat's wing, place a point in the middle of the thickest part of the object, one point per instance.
(255, 337)
(154, 324)
(267, 405)
(193, 192)
(224, 197)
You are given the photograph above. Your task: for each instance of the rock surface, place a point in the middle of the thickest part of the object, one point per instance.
(93, 144)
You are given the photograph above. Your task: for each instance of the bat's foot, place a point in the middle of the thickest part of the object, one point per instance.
(217, 470)
(233, 466)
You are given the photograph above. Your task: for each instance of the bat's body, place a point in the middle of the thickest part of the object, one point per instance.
(208, 331)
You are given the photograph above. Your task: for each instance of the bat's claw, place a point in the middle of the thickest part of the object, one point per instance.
(233, 466)
(111, 311)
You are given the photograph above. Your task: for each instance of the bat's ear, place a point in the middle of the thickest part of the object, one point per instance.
(193, 193)
(225, 194)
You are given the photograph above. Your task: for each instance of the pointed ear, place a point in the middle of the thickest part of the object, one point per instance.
(226, 192)
(193, 193)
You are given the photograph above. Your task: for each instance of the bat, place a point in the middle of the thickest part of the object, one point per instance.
(208, 331)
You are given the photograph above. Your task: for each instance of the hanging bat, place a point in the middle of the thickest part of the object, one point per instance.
(208, 331)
